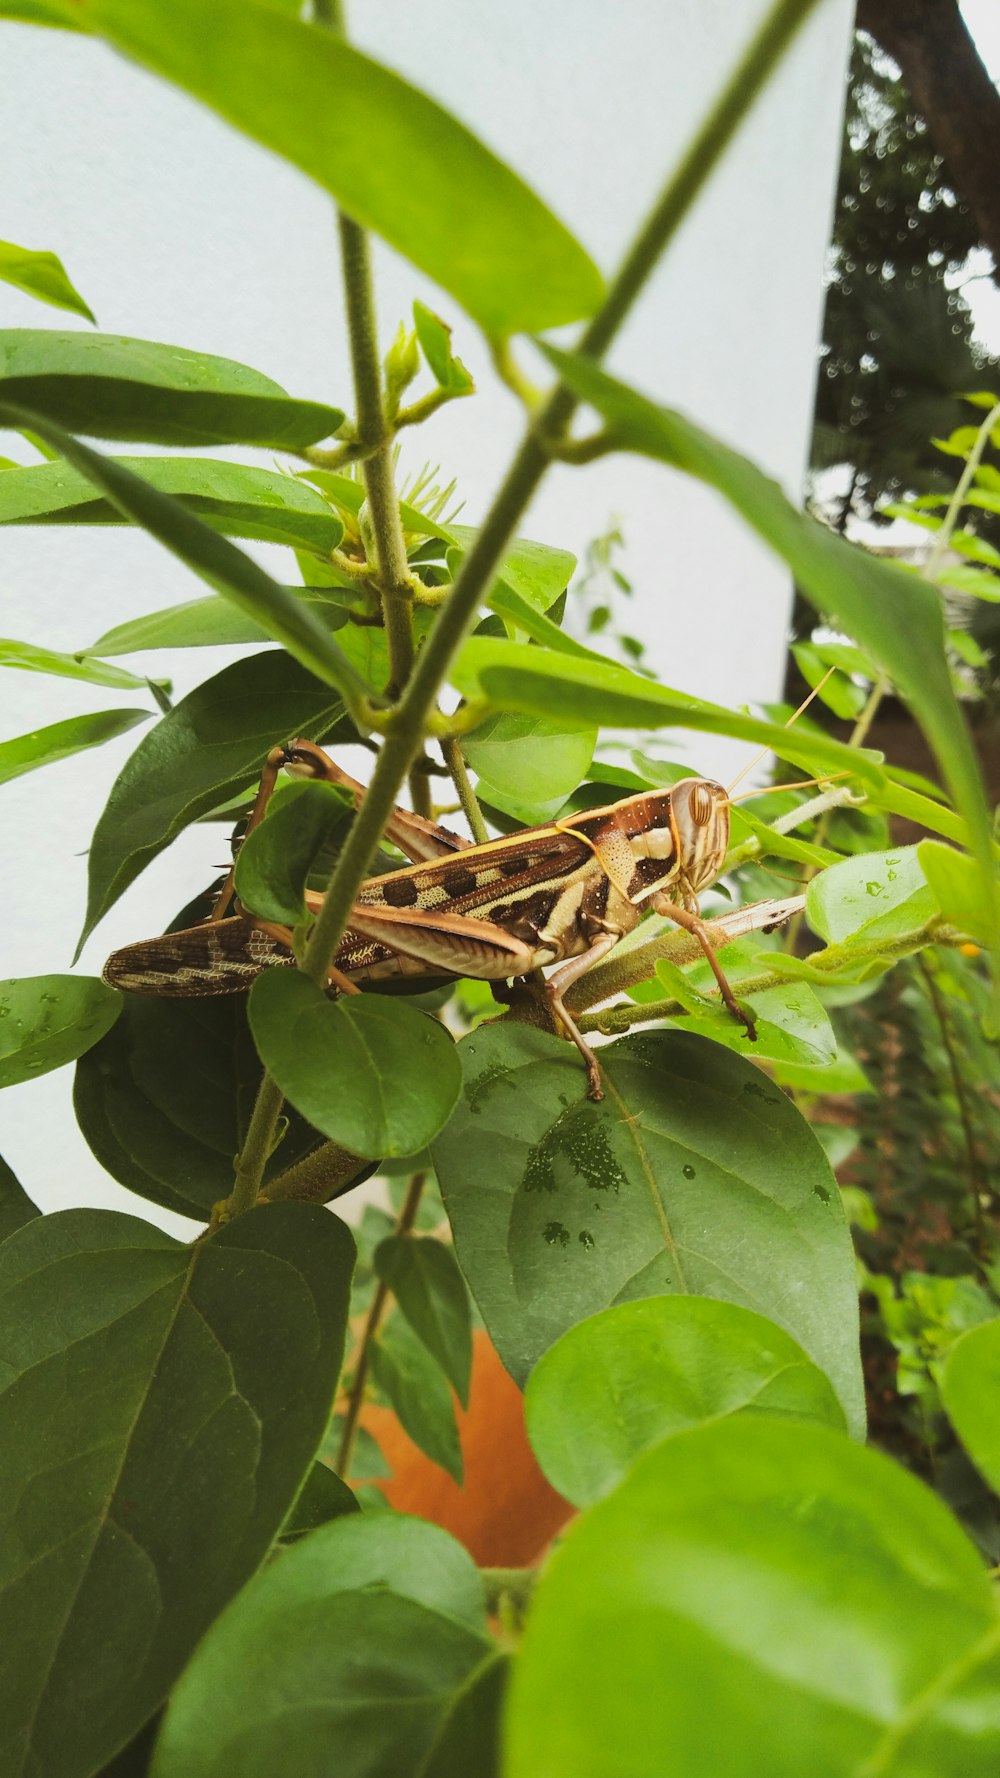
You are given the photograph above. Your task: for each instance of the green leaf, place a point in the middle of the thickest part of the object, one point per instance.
(205, 623)
(229, 498)
(16, 1208)
(792, 1025)
(843, 1075)
(763, 1598)
(474, 1721)
(275, 860)
(346, 1656)
(49, 1020)
(418, 1394)
(970, 1389)
(520, 677)
(424, 1278)
(60, 740)
(138, 391)
(32, 659)
(321, 1498)
(435, 343)
(622, 1381)
(372, 1073)
(956, 883)
(694, 1175)
(529, 761)
(212, 745)
(537, 572)
(875, 895)
(163, 1101)
(896, 617)
(156, 1433)
(433, 191)
(44, 276)
(237, 576)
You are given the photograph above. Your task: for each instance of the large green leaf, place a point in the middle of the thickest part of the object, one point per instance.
(693, 1175)
(60, 740)
(432, 190)
(16, 1207)
(44, 276)
(31, 659)
(210, 746)
(761, 1598)
(621, 1381)
(375, 1075)
(970, 1390)
(49, 1020)
(155, 1432)
(895, 616)
(430, 1290)
(521, 677)
(348, 1656)
(225, 568)
(230, 498)
(163, 1101)
(137, 391)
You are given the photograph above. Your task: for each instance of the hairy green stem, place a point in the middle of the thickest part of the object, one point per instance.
(404, 728)
(454, 759)
(616, 1019)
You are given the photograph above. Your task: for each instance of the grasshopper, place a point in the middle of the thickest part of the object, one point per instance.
(563, 893)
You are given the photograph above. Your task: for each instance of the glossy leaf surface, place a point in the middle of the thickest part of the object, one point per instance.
(135, 1367)
(621, 1381)
(60, 740)
(765, 1598)
(106, 386)
(31, 659)
(415, 1388)
(694, 1175)
(348, 1655)
(49, 1020)
(41, 275)
(373, 1074)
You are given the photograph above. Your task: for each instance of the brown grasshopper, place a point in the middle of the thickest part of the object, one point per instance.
(563, 893)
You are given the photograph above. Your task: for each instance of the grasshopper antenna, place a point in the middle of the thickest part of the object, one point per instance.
(766, 750)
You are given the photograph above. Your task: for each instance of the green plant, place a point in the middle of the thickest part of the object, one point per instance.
(669, 1269)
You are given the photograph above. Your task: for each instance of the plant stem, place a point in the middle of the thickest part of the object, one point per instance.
(404, 1223)
(405, 725)
(454, 759)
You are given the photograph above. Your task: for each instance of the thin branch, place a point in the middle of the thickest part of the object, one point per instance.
(355, 1399)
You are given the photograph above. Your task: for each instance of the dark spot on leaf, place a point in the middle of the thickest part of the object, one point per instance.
(555, 1234)
(478, 1090)
(579, 1139)
(688, 1171)
(585, 1238)
(822, 1193)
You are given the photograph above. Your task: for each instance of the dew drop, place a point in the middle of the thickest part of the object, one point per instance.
(688, 1171)
(585, 1238)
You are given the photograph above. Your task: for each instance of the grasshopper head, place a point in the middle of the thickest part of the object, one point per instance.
(699, 822)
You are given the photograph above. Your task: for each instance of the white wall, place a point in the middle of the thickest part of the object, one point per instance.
(176, 229)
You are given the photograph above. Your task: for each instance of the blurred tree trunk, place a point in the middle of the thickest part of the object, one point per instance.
(950, 87)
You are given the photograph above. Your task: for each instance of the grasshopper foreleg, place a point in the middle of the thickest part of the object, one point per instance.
(693, 923)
